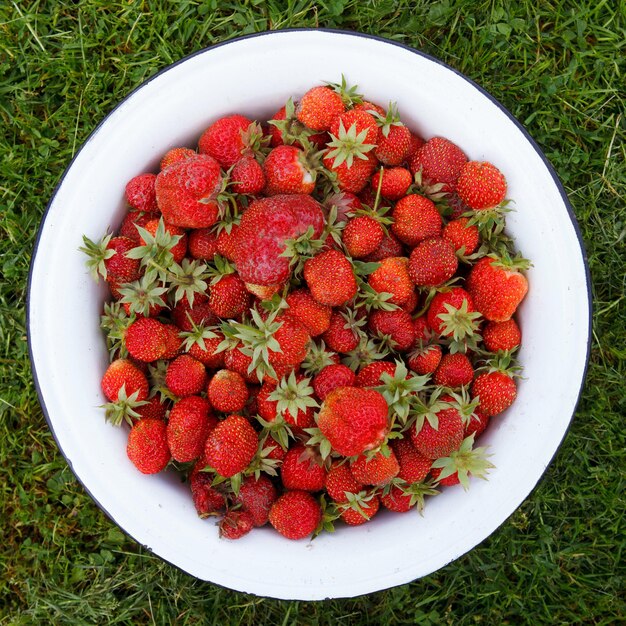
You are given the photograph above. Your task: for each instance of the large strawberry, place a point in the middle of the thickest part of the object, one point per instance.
(440, 161)
(296, 514)
(231, 446)
(392, 277)
(308, 311)
(439, 435)
(432, 262)
(378, 469)
(188, 426)
(481, 185)
(318, 107)
(229, 138)
(185, 376)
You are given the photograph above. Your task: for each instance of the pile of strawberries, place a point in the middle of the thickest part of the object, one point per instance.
(311, 318)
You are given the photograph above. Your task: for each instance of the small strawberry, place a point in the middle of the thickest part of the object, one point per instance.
(397, 500)
(318, 107)
(256, 495)
(185, 376)
(175, 155)
(441, 433)
(155, 408)
(414, 467)
(477, 424)
(238, 361)
(331, 377)
(361, 236)
(497, 287)
(206, 499)
(415, 218)
(353, 134)
(330, 278)
(455, 299)
(354, 177)
(345, 204)
(295, 515)
(147, 446)
(200, 314)
(188, 426)
(455, 370)
(376, 470)
(247, 176)
(460, 464)
(287, 171)
(354, 420)
(481, 185)
(202, 244)
(109, 259)
(361, 510)
(440, 161)
(396, 326)
(174, 343)
(393, 147)
(425, 360)
(496, 391)
(504, 336)
(228, 297)
(313, 315)
(146, 339)
(464, 236)
(370, 107)
(227, 391)
(432, 262)
(390, 246)
(235, 524)
(292, 398)
(226, 242)
(123, 373)
(302, 469)
(415, 144)
(140, 193)
(228, 139)
(231, 446)
(371, 375)
(342, 334)
(340, 482)
(392, 277)
(131, 220)
(179, 249)
(395, 182)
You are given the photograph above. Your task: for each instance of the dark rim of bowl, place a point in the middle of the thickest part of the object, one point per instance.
(532, 142)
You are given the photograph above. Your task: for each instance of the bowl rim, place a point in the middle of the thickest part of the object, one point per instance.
(345, 32)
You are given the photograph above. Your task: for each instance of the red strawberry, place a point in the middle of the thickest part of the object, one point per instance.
(202, 244)
(229, 297)
(263, 231)
(390, 246)
(392, 276)
(340, 481)
(416, 143)
(425, 360)
(227, 391)
(175, 155)
(314, 316)
(180, 249)
(146, 339)
(477, 424)
(370, 375)
(302, 469)
(410, 304)
(441, 441)
(341, 335)
(440, 161)
(455, 370)
(461, 235)
(188, 426)
(414, 467)
(422, 329)
(118, 267)
(185, 376)
(355, 176)
(496, 391)
(237, 361)
(361, 236)
(231, 446)
(256, 495)
(397, 325)
(502, 335)
(331, 377)
(155, 409)
(287, 171)
(247, 176)
(293, 339)
(235, 524)
(123, 373)
(415, 218)
(207, 354)
(206, 499)
(396, 500)
(345, 203)
(481, 185)
(187, 192)
(226, 242)
(199, 314)
(295, 515)
(227, 139)
(147, 446)
(432, 262)
(174, 343)
(369, 508)
(377, 470)
(396, 182)
(318, 107)
(140, 193)
(354, 420)
(393, 147)
(361, 120)
(370, 107)
(440, 304)
(496, 289)
(330, 278)
(131, 220)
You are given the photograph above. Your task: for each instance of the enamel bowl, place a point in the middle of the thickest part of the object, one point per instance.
(255, 76)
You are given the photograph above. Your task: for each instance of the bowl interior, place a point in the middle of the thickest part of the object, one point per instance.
(255, 76)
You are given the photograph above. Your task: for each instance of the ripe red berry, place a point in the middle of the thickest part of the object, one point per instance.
(147, 446)
(481, 185)
(227, 391)
(432, 262)
(295, 515)
(185, 376)
(231, 446)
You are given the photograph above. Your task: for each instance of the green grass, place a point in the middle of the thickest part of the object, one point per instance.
(559, 67)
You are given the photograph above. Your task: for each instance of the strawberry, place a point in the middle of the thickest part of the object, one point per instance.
(437, 442)
(456, 298)
(423, 331)
(396, 325)
(187, 192)
(318, 107)
(185, 376)
(287, 171)
(415, 218)
(235, 524)
(109, 259)
(361, 236)
(440, 161)
(345, 203)
(236, 361)
(497, 288)
(331, 377)
(481, 185)
(503, 336)
(231, 446)
(227, 139)
(370, 107)
(390, 246)
(302, 469)
(414, 467)
(392, 148)
(147, 446)
(185, 316)
(368, 508)
(414, 145)
(247, 176)
(256, 495)
(464, 237)
(175, 155)
(188, 426)
(362, 123)
(265, 227)
(354, 177)
(477, 424)
(425, 360)
(174, 342)
(392, 277)
(205, 350)
(455, 370)
(330, 278)
(123, 373)
(226, 242)
(206, 499)
(315, 317)
(202, 244)
(395, 182)
(396, 500)
(131, 220)
(295, 515)
(340, 481)
(179, 249)
(410, 304)
(291, 398)
(370, 375)
(227, 391)
(495, 390)
(146, 339)
(342, 333)
(154, 408)
(229, 297)
(376, 470)
(140, 193)
(432, 262)
(353, 420)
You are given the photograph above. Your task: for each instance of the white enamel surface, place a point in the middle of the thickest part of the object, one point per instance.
(255, 76)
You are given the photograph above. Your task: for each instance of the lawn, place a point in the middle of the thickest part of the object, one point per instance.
(559, 67)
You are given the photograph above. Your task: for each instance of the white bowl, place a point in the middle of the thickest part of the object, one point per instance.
(255, 75)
